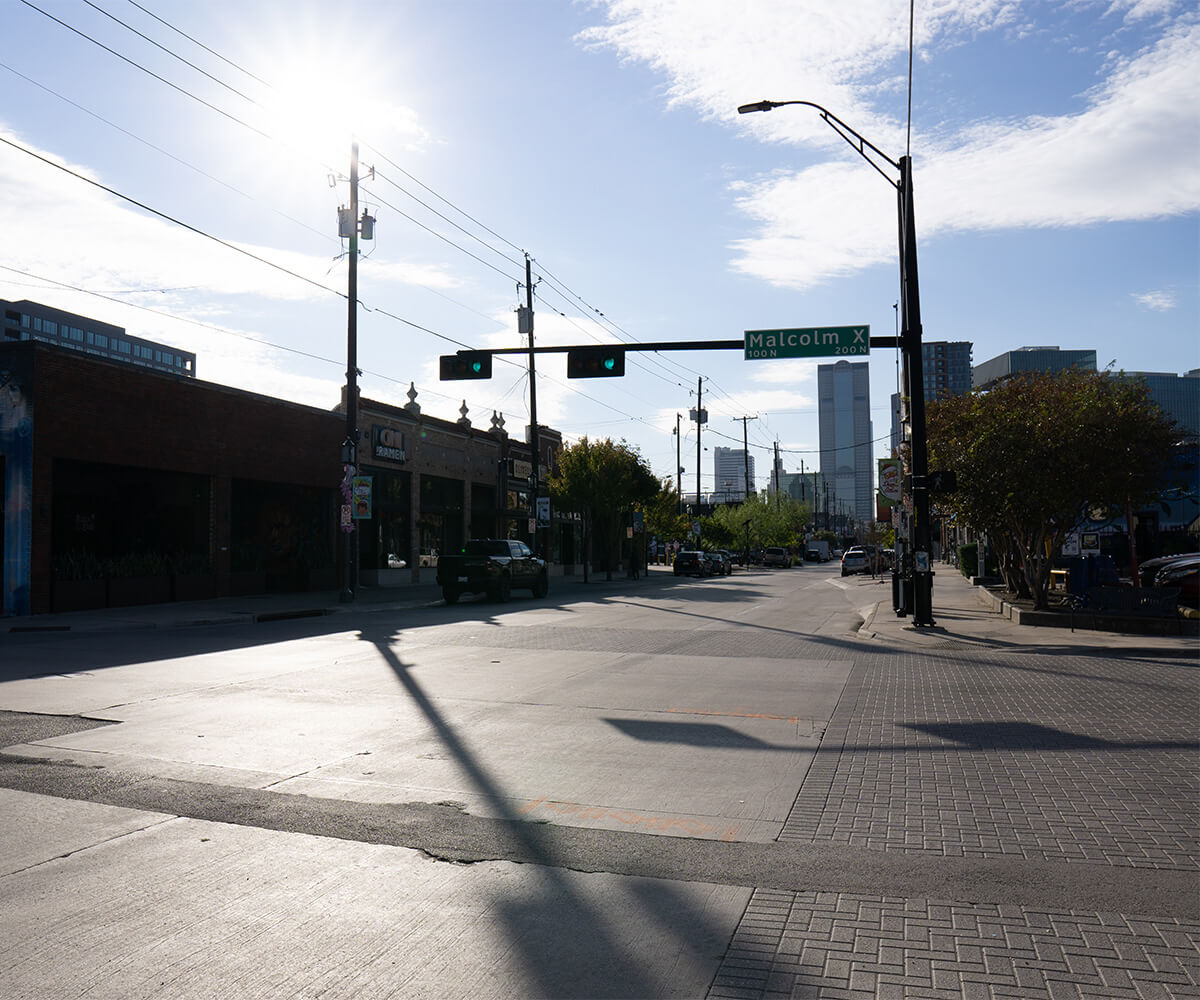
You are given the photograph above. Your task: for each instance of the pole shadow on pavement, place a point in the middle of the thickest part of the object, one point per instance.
(562, 938)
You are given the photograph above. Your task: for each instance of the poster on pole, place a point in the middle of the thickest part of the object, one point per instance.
(360, 497)
(889, 481)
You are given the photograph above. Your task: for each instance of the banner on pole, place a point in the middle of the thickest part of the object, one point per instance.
(889, 481)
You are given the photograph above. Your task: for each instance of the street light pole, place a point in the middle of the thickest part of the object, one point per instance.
(910, 345)
(910, 340)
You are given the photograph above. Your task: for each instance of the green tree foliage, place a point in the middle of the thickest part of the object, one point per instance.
(602, 480)
(777, 520)
(662, 515)
(1034, 453)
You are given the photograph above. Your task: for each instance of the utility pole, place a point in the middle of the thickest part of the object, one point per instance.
(533, 421)
(745, 457)
(678, 468)
(350, 445)
(776, 468)
(699, 415)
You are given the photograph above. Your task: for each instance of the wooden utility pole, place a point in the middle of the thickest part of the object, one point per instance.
(350, 445)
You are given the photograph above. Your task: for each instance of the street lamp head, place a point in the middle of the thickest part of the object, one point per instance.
(758, 106)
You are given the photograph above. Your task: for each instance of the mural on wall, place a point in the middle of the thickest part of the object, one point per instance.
(16, 489)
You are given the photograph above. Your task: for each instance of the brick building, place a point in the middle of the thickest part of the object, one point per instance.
(122, 485)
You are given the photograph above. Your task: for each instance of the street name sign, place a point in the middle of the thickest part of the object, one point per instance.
(808, 342)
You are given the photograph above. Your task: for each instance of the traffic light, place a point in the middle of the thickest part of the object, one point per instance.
(466, 364)
(596, 362)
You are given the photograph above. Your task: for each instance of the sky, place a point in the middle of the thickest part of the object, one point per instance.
(176, 168)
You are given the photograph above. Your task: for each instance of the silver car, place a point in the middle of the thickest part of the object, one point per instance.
(855, 561)
(776, 556)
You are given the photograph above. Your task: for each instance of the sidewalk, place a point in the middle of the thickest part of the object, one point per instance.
(275, 607)
(992, 810)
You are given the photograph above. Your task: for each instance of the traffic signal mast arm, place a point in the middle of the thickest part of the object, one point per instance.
(663, 345)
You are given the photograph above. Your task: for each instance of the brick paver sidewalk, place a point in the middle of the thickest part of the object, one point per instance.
(1086, 759)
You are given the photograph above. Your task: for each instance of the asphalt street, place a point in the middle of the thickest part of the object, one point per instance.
(762, 785)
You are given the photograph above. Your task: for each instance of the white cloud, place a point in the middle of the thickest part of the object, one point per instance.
(1159, 301)
(1130, 153)
(1138, 10)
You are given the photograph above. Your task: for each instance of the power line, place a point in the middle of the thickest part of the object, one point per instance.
(109, 297)
(148, 72)
(566, 291)
(449, 221)
(163, 48)
(201, 44)
(383, 156)
(159, 149)
(434, 232)
(237, 335)
(171, 219)
(554, 281)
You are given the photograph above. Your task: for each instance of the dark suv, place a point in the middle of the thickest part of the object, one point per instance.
(689, 563)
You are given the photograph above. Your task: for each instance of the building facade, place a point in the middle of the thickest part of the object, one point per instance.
(1031, 359)
(946, 368)
(1178, 396)
(124, 485)
(731, 480)
(847, 452)
(27, 320)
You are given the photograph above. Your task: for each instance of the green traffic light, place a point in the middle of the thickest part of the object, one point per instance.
(477, 367)
(610, 363)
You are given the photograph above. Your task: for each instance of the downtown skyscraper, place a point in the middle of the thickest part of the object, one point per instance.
(847, 452)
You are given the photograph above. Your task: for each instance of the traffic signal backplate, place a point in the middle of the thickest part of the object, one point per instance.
(596, 362)
(466, 364)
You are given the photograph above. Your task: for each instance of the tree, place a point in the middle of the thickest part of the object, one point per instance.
(662, 515)
(777, 520)
(601, 480)
(1035, 452)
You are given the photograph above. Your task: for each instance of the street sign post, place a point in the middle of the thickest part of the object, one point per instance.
(808, 342)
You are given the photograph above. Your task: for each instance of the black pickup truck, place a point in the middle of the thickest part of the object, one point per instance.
(492, 566)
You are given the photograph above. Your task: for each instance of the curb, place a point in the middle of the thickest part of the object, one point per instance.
(1088, 621)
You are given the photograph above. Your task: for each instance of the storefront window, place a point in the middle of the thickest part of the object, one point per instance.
(386, 538)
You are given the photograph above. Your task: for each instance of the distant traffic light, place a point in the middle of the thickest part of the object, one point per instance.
(466, 364)
(596, 362)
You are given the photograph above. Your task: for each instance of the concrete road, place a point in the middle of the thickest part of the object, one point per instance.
(583, 795)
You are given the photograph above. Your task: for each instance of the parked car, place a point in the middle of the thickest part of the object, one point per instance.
(1148, 570)
(1184, 574)
(690, 562)
(776, 556)
(722, 562)
(493, 566)
(855, 561)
